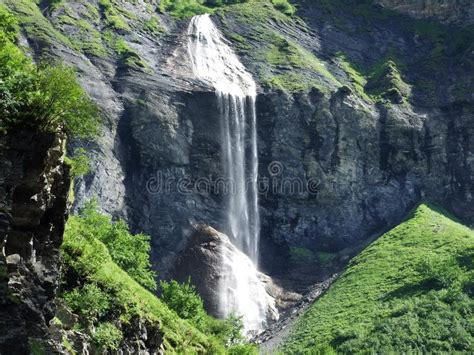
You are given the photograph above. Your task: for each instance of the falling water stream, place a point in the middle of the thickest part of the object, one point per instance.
(214, 62)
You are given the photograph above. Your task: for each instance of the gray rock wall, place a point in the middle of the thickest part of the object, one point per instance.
(34, 186)
(448, 11)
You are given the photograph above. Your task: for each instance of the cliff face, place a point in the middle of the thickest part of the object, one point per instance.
(34, 184)
(453, 11)
(365, 140)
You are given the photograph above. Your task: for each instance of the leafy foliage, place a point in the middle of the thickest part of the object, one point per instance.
(108, 299)
(440, 272)
(185, 301)
(8, 25)
(128, 251)
(188, 8)
(79, 163)
(46, 97)
(107, 336)
(88, 301)
(284, 6)
(398, 296)
(183, 8)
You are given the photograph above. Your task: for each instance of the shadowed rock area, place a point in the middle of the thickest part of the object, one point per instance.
(33, 194)
(455, 11)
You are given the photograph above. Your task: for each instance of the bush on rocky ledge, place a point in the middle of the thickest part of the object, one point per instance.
(45, 96)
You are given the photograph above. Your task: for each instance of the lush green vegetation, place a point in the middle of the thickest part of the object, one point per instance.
(130, 252)
(386, 83)
(108, 299)
(46, 97)
(381, 83)
(184, 300)
(32, 21)
(285, 64)
(411, 291)
(284, 6)
(107, 281)
(79, 163)
(188, 8)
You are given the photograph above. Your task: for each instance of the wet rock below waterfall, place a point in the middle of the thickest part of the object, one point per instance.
(200, 261)
(203, 262)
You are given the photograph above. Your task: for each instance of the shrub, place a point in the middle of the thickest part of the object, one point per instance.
(183, 299)
(47, 97)
(79, 163)
(243, 349)
(186, 302)
(89, 301)
(107, 336)
(284, 6)
(8, 25)
(188, 8)
(130, 252)
(63, 103)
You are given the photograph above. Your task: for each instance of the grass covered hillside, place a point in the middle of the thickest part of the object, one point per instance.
(410, 291)
(109, 288)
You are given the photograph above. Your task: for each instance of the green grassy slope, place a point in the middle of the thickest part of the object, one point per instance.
(410, 291)
(91, 262)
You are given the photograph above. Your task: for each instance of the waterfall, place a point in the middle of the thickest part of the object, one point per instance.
(214, 62)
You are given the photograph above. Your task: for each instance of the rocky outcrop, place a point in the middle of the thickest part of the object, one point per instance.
(448, 11)
(34, 186)
(203, 262)
(200, 261)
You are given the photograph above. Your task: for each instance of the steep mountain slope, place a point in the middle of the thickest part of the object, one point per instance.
(131, 317)
(366, 111)
(410, 291)
(454, 11)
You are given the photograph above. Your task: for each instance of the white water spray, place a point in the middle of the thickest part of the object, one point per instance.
(214, 62)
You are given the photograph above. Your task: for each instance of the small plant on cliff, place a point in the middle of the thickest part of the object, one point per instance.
(188, 8)
(79, 163)
(284, 6)
(107, 336)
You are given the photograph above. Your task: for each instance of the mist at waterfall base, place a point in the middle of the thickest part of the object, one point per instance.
(242, 291)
